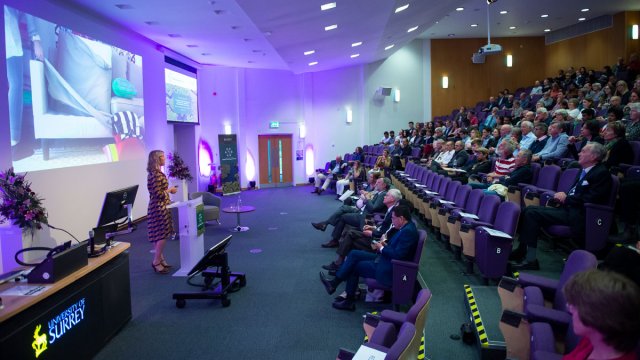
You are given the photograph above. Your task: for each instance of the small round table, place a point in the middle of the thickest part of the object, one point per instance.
(235, 210)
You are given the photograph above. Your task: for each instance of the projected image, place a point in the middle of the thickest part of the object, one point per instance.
(73, 100)
(182, 97)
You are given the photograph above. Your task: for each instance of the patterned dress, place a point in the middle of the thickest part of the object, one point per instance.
(159, 222)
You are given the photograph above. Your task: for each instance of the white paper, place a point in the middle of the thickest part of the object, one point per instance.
(445, 201)
(420, 185)
(25, 290)
(494, 232)
(367, 353)
(467, 215)
(431, 192)
(412, 179)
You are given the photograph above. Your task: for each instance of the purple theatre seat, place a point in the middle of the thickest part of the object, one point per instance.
(405, 275)
(565, 182)
(635, 148)
(543, 343)
(633, 172)
(547, 180)
(459, 202)
(435, 203)
(415, 154)
(492, 251)
(428, 198)
(598, 220)
(537, 289)
(515, 191)
(486, 217)
(395, 344)
(453, 221)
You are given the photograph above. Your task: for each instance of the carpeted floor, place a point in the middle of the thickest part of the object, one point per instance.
(283, 312)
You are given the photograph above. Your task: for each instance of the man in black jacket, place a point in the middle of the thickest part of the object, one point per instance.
(354, 238)
(592, 185)
(540, 131)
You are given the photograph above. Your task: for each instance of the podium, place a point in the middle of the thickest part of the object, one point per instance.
(191, 243)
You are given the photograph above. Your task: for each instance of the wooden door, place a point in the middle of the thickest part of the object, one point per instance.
(276, 160)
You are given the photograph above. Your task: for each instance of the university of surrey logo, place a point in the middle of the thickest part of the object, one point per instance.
(39, 343)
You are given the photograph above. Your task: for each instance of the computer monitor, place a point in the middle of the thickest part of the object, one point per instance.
(117, 205)
(209, 259)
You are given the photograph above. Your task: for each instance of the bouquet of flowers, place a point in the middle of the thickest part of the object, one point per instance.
(19, 203)
(177, 168)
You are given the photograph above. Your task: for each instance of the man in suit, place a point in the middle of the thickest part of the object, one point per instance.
(460, 156)
(336, 167)
(592, 185)
(402, 246)
(354, 216)
(360, 238)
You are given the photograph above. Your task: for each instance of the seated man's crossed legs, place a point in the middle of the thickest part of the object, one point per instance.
(351, 239)
(357, 264)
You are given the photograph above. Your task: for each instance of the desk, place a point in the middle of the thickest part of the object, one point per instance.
(72, 318)
(238, 211)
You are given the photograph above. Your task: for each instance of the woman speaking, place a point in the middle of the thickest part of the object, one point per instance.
(159, 222)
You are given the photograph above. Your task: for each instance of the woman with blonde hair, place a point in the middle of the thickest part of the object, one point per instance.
(159, 222)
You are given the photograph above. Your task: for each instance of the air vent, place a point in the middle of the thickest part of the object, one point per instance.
(579, 29)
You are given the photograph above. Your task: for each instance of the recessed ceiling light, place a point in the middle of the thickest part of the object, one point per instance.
(327, 6)
(205, 54)
(412, 29)
(313, 63)
(246, 39)
(235, 27)
(250, 61)
(512, 27)
(355, 56)
(267, 33)
(544, 15)
(474, 25)
(124, 6)
(459, 9)
(174, 35)
(582, 19)
(503, 12)
(151, 23)
(219, 12)
(451, 35)
(389, 47)
(356, 44)
(309, 52)
(330, 27)
(401, 8)
(192, 46)
(547, 30)
(584, 10)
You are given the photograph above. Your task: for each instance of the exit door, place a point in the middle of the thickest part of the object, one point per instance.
(276, 160)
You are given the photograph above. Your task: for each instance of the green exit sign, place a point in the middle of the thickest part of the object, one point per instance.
(274, 124)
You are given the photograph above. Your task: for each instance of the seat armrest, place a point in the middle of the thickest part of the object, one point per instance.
(558, 319)
(545, 284)
(403, 265)
(592, 206)
(542, 339)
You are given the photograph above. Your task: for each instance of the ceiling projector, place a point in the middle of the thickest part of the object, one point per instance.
(490, 49)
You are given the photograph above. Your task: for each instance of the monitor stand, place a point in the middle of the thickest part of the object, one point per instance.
(229, 282)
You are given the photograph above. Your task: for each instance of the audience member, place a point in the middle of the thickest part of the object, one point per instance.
(592, 185)
(355, 176)
(618, 148)
(402, 246)
(604, 312)
(323, 178)
(633, 128)
(528, 137)
(556, 146)
(589, 132)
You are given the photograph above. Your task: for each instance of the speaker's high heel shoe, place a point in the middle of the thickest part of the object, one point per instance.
(160, 270)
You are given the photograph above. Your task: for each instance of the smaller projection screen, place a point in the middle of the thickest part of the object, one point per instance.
(181, 95)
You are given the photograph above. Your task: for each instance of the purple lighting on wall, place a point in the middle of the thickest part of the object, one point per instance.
(205, 158)
(310, 169)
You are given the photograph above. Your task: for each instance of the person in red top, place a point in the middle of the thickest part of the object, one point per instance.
(605, 311)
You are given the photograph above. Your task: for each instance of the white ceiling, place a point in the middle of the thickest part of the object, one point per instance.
(274, 34)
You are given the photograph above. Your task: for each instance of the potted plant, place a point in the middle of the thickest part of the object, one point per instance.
(179, 170)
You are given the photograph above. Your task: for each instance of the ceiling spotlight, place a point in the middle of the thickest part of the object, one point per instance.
(503, 12)
(582, 19)
(459, 9)
(355, 56)
(474, 25)
(584, 10)
(547, 30)
(544, 15)
(327, 6)
(451, 35)
(412, 29)
(401, 8)
(309, 52)
(313, 63)
(389, 47)
(330, 27)
(356, 44)
(512, 27)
